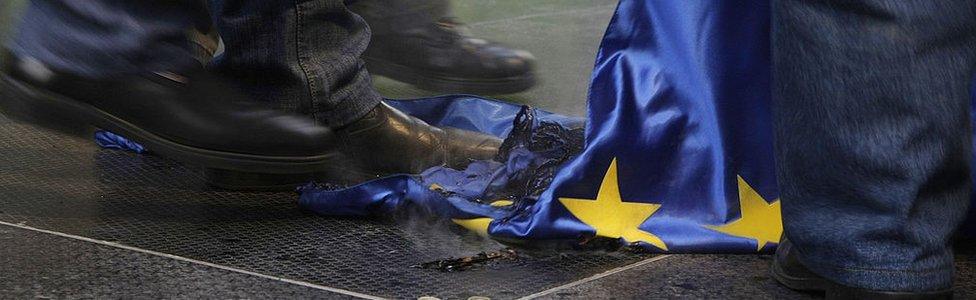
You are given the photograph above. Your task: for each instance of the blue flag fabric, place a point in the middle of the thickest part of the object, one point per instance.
(678, 145)
(679, 102)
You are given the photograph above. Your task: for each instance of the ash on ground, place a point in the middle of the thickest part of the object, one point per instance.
(469, 262)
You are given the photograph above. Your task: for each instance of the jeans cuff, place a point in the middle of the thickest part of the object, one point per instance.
(350, 108)
(905, 280)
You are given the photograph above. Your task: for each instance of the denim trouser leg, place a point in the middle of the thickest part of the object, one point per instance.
(102, 38)
(302, 54)
(873, 136)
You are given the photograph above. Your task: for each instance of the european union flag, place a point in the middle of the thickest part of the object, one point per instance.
(678, 153)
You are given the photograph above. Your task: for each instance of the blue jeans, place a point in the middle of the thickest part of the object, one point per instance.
(871, 110)
(302, 55)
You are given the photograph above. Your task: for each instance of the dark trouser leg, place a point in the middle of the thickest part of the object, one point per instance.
(873, 136)
(303, 55)
(104, 38)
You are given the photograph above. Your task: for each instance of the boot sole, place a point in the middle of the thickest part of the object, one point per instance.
(797, 283)
(432, 81)
(22, 102)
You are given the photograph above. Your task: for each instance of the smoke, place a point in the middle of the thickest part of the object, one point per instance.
(440, 238)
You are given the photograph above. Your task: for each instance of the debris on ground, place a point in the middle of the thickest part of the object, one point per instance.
(468, 262)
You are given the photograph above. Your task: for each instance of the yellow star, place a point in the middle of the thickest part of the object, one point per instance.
(480, 225)
(760, 220)
(610, 216)
(477, 225)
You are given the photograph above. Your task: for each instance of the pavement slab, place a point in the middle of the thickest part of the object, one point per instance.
(45, 266)
(68, 185)
(715, 276)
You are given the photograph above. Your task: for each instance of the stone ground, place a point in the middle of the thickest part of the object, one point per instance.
(564, 35)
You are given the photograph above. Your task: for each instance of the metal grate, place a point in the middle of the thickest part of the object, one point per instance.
(69, 185)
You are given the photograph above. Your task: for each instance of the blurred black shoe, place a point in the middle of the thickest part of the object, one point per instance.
(788, 270)
(190, 117)
(440, 56)
(196, 119)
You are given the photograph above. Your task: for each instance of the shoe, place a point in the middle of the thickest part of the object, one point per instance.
(788, 270)
(388, 141)
(441, 57)
(190, 117)
(385, 141)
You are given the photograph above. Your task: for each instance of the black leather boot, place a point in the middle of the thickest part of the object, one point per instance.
(190, 117)
(788, 270)
(384, 142)
(388, 141)
(418, 43)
